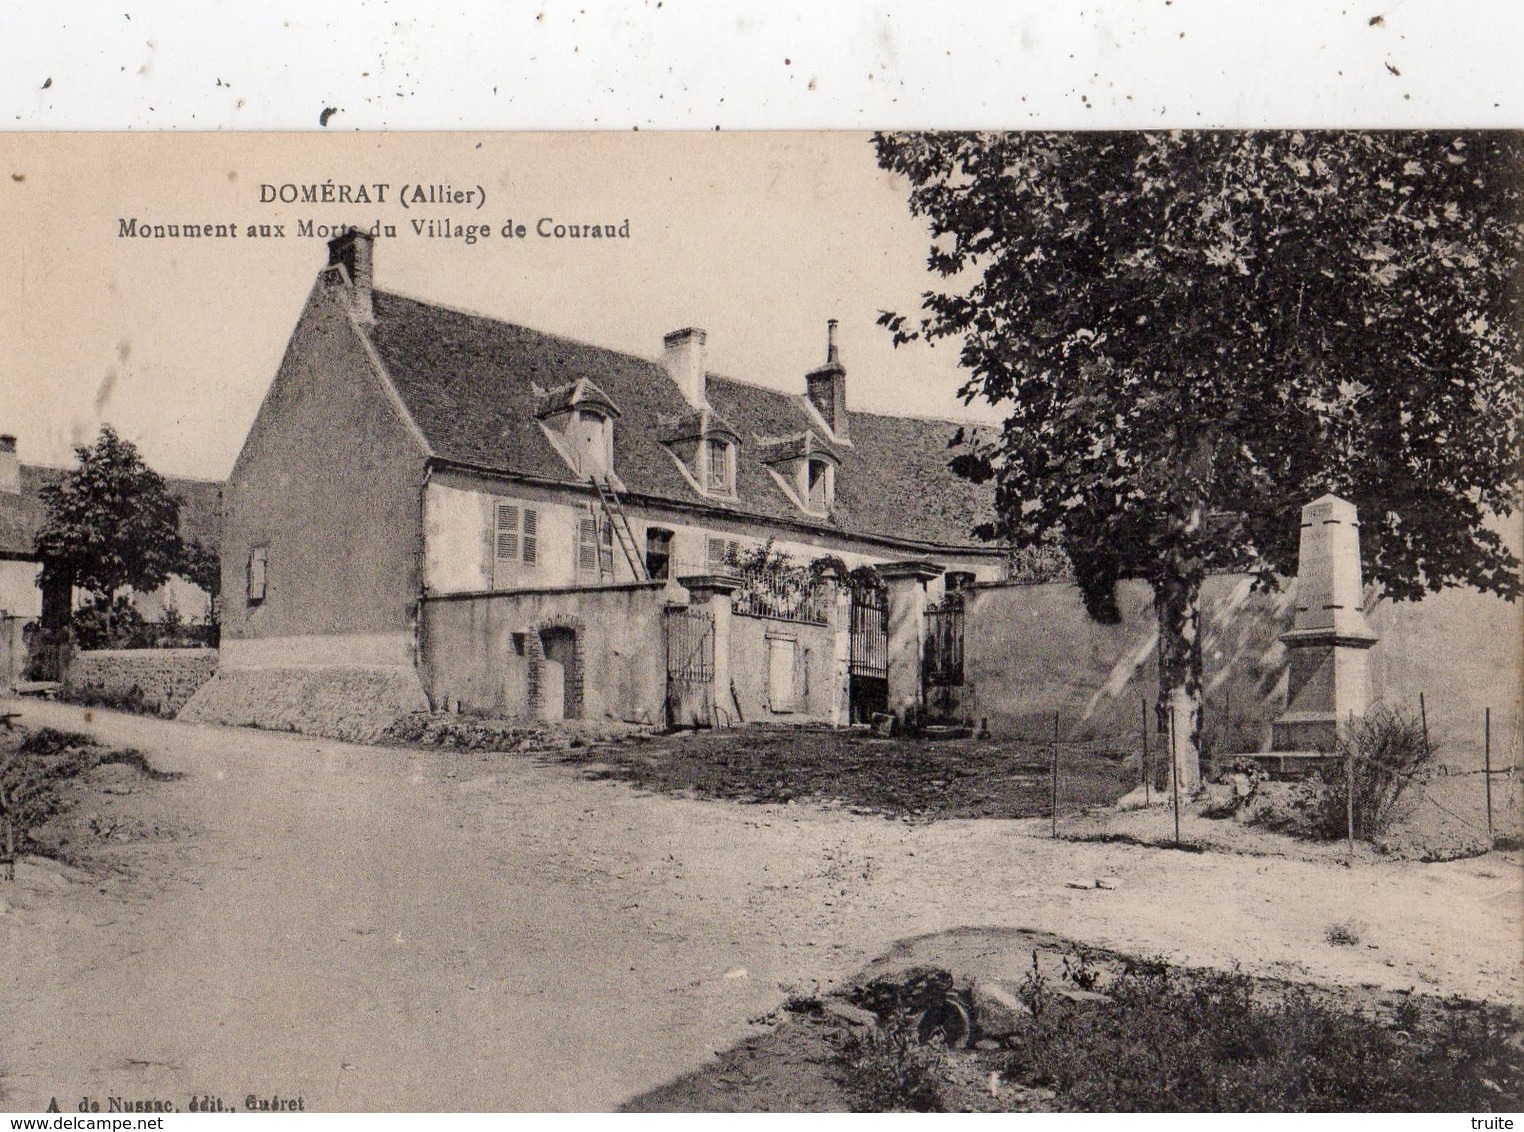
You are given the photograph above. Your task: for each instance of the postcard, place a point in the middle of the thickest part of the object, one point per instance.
(790, 621)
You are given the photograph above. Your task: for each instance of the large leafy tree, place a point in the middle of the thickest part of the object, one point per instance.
(111, 523)
(1194, 334)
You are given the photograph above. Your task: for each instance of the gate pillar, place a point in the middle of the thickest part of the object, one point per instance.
(837, 601)
(716, 593)
(906, 583)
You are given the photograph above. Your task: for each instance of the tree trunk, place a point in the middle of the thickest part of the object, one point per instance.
(1177, 604)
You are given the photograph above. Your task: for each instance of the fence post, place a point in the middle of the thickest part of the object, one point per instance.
(1055, 776)
(1423, 718)
(1143, 703)
(9, 854)
(1349, 797)
(1174, 773)
(1487, 766)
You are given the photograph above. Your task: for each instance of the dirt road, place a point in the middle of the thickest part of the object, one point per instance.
(377, 929)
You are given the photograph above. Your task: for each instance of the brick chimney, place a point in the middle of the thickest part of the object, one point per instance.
(10, 466)
(826, 387)
(354, 251)
(683, 355)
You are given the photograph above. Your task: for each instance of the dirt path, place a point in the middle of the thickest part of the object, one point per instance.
(380, 929)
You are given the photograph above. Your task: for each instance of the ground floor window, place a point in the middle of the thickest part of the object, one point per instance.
(595, 548)
(658, 553)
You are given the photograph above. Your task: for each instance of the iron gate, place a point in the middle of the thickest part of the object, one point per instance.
(869, 653)
(690, 667)
(942, 655)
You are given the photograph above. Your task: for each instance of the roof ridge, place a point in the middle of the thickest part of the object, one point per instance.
(515, 325)
(176, 476)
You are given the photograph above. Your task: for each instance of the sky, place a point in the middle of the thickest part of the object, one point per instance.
(756, 238)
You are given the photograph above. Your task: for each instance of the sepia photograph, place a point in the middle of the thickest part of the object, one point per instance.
(830, 621)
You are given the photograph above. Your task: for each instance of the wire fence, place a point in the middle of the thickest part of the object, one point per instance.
(1388, 783)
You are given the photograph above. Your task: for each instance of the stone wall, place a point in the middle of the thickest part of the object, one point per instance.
(353, 704)
(1031, 652)
(164, 679)
(590, 653)
(755, 663)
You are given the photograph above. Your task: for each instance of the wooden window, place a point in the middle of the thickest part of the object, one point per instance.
(720, 481)
(587, 545)
(658, 553)
(507, 532)
(721, 551)
(592, 438)
(259, 569)
(595, 547)
(531, 541)
(515, 541)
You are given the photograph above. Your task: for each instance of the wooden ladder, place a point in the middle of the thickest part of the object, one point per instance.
(613, 510)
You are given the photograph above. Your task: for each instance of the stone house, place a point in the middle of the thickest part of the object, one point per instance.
(462, 511)
(21, 514)
(21, 588)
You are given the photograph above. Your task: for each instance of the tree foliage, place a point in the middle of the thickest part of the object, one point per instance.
(112, 523)
(1194, 334)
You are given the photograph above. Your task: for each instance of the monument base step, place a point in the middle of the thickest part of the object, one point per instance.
(1291, 765)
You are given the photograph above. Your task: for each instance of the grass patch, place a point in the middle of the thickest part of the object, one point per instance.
(1133, 839)
(1170, 1042)
(38, 773)
(894, 777)
(129, 699)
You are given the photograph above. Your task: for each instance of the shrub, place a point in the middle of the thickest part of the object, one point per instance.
(1170, 1041)
(1344, 933)
(106, 623)
(888, 1070)
(1390, 755)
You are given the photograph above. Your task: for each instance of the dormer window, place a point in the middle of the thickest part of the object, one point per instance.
(578, 419)
(704, 446)
(720, 467)
(804, 466)
(821, 486)
(591, 437)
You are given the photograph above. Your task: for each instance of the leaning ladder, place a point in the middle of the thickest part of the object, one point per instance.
(613, 510)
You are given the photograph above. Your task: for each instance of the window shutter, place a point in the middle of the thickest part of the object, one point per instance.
(259, 558)
(606, 549)
(716, 552)
(587, 546)
(531, 542)
(507, 531)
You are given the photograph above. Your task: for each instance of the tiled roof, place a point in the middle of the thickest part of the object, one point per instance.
(473, 385)
(21, 515)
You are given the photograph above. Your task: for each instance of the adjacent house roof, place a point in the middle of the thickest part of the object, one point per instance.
(474, 384)
(21, 514)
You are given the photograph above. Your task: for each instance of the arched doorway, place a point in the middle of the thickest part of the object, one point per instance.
(560, 675)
